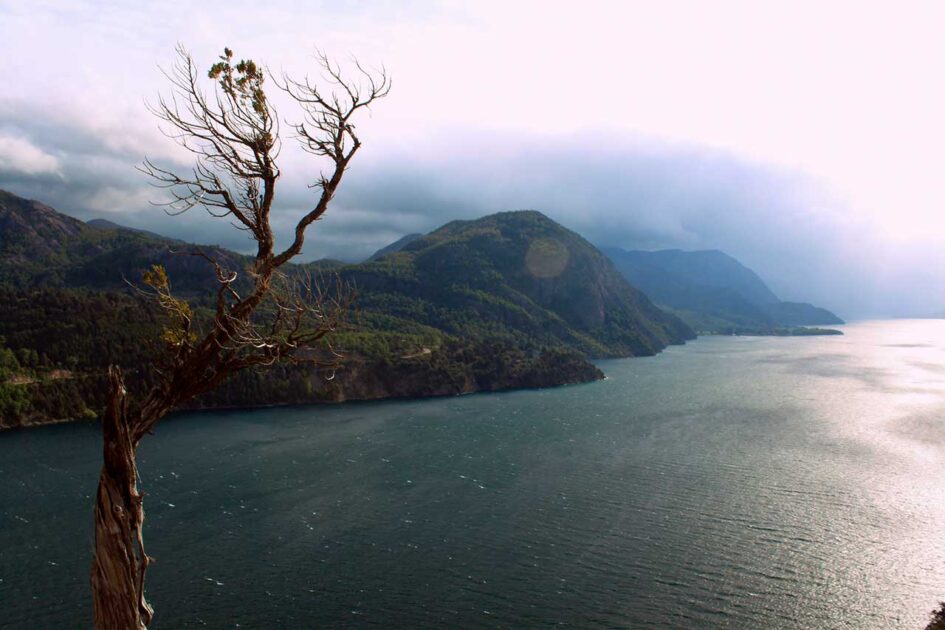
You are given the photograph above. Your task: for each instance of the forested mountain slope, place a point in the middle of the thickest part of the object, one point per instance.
(510, 300)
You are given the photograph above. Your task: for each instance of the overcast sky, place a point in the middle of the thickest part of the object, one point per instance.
(805, 139)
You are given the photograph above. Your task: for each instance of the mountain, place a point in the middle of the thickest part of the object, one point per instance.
(510, 300)
(396, 246)
(40, 247)
(31, 234)
(516, 275)
(30, 228)
(713, 292)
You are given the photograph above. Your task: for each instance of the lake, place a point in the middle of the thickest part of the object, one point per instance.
(735, 482)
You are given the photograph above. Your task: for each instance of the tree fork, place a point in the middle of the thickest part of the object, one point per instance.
(120, 560)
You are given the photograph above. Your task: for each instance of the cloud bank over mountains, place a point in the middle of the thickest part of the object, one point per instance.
(630, 193)
(816, 165)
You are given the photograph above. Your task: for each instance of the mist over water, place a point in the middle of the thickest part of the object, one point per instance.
(734, 482)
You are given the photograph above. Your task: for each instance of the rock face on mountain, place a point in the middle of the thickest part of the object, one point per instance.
(33, 236)
(511, 300)
(42, 248)
(29, 228)
(713, 292)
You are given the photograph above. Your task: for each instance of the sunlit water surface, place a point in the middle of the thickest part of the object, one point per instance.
(730, 483)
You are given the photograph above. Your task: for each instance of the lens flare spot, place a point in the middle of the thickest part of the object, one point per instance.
(546, 258)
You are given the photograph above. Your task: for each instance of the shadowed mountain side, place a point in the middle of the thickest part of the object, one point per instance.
(801, 314)
(713, 292)
(709, 268)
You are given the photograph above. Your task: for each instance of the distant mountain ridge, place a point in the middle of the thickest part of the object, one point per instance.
(713, 292)
(704, 268)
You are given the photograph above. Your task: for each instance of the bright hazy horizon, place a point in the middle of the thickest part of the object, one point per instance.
(801, 138)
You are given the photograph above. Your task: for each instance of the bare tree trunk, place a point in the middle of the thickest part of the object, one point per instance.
(120, 561)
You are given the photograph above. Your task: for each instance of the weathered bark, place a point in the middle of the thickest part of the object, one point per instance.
(120, 561)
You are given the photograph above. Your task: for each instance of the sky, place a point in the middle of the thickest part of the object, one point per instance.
(803, 138)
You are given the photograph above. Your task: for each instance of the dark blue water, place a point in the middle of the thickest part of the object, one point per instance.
(730, 483)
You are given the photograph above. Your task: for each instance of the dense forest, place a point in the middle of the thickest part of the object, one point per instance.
(57, 344)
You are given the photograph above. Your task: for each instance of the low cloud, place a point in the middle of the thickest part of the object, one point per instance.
(74, 127)
(21, 157)
(625, 192)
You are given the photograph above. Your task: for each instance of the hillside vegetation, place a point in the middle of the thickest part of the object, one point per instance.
(510, 300)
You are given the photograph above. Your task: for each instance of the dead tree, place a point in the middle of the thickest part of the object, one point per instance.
(233, 131)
